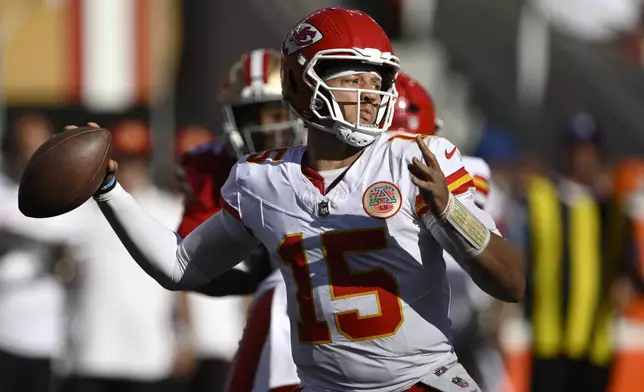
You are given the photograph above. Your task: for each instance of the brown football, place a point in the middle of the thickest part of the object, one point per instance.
(64, 172)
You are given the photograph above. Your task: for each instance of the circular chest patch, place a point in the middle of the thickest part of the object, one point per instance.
(382, 200)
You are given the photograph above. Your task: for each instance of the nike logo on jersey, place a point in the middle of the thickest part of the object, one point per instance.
(450, 154)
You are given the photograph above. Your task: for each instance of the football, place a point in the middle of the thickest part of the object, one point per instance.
(64, 172)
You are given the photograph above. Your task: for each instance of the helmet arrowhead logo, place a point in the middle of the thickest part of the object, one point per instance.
(302, 36)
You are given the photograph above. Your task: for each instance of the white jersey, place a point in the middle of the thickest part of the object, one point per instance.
(264, 360)
(367, 295)
(480, 172)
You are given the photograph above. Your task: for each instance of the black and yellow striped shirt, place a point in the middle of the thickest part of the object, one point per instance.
(575, 243)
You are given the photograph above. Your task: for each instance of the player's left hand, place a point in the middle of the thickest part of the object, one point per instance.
(429, 179)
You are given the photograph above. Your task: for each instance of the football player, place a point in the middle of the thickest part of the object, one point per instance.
(254, 115)
(357, 221)
(264, 352)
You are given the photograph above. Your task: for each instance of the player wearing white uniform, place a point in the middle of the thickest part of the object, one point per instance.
(268, 330)
(361, 254)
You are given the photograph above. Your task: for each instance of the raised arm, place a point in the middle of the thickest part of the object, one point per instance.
(464, 230)
(213, 248)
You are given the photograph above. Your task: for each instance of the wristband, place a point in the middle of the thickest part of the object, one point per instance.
(107, 187)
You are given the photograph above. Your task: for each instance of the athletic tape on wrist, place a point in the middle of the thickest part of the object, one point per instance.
(473, 234)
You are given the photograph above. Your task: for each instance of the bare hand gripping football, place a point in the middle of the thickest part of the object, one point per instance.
(109, 179)
(65, 171)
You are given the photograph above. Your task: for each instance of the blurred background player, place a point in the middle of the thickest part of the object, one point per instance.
(255, 119)
(31, 296)
(121, 333)
(629, 194)
(415, 113)
(125, 333)
(577, 252)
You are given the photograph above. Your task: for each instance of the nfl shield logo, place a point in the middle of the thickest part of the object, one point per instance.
(440, 371)
(460, 382)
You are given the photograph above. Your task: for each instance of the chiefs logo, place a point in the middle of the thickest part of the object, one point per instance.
(302, 36)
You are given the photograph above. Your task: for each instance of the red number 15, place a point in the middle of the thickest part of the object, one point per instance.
(344, 283)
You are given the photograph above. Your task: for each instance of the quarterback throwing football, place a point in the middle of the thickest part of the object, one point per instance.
(356, 220)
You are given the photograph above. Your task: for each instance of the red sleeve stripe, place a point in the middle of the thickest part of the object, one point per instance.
(482, 185)
(229, 209)
(456, 175)
(459, 181)
(464, 187)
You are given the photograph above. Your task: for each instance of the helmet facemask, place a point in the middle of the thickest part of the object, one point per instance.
(261, 125)
(326, 109)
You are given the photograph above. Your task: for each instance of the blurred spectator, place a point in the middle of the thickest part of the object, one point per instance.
(190, 137)
(628, 188)
(131, 139)
(574, 258)
(31, 298)
(123, 334)
(217, 325)
(590, 19)
(187, 139)
(631, 41)
(499, 150)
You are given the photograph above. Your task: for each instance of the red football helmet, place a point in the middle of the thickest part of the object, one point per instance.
(325, 39)
(414, 110)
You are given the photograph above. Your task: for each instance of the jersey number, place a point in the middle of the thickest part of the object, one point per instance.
(344, 283)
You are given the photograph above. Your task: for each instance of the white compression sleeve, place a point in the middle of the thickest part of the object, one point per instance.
(216, 246)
